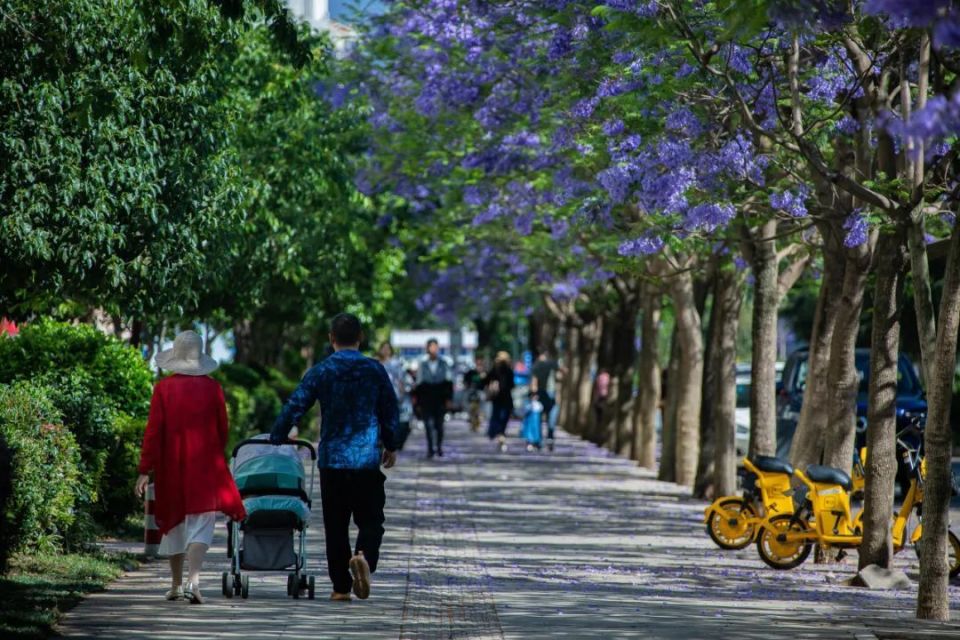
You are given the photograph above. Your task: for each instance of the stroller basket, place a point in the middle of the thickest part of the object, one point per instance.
(268, 550)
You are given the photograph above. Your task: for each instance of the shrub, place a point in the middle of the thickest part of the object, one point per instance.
(39, 465)
(116, 372)
(96, 383)
(254, 399)
(116, 498)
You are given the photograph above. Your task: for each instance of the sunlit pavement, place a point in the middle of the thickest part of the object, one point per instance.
(574, 544)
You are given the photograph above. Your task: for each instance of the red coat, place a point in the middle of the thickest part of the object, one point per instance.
(183, 446)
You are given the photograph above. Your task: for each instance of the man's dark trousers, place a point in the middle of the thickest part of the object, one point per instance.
(345, 493)
(433, 417)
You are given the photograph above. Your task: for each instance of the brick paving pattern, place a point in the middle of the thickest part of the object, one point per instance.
(574, 544)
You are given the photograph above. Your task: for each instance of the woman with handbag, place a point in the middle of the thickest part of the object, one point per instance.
(499, 388)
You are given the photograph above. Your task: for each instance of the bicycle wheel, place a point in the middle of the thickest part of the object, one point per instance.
(783, 555)
(733, 529)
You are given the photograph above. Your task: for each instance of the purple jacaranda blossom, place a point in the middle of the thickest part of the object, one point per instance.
(792, 202)
(491, 213)
(847, 125)
(559, 229)
(739, 263)
(561, 45)
(523, 223)
(613, 127)
(617, 181)
(683, 120)
(640, 247)
(709, 216)
(738, 59)
(474, 196)
(584, 108)
(642, 8)
(684, 70)
(857, 229)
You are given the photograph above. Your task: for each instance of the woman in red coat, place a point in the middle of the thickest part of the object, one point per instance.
(183, 447)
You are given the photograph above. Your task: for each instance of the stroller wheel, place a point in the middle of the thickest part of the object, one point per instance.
(290, 583)
(237, 585)
(227, 587)
(311, 587)
(295, 586)
(245, 587)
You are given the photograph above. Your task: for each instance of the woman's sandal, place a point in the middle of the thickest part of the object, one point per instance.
(192, 594)
(175, 593)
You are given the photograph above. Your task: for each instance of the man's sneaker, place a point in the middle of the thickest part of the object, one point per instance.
(360, 571)
(429, 455)
(531, 448)
(550, 444)
(439, 453)
(502, 443)
(340, 597)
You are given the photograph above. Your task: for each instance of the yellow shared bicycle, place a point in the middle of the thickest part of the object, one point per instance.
(824, 518)
(732, 521)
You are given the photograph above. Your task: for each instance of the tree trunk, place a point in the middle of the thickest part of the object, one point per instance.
(648, 400)
(688, 380)
(842, 380)
(725, 397)
(932, 602)
(881, 465)
(703, 486)
(668, 431)
(807, 444)
(717, 476)
(763, 376)
(586, 355)
(923, 298)
(617, 354)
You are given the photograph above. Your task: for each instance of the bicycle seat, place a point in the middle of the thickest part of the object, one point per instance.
(829, 475)
(773, 465)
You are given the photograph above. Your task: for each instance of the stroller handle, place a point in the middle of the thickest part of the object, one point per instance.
(297, 443)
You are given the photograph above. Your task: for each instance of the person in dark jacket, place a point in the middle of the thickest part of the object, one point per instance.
(434, 396)
(499, 386)
(358, 434)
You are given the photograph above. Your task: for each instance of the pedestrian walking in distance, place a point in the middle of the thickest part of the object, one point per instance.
(358, 434)
(183, 447)
(543, 384)
(499, 385)
(434, 396)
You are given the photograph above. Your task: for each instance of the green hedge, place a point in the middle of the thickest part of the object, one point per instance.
(254, 399)
(101, 388)
(39, 469)
(115, 372)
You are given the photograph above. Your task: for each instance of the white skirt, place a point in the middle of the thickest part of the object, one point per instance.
(195, 528)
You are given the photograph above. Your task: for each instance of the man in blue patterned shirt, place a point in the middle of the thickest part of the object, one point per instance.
(358, 433)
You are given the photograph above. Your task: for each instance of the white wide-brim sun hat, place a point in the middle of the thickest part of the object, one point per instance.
(186, 356)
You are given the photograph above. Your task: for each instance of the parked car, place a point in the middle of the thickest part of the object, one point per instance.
(911, 403)
(744, 380)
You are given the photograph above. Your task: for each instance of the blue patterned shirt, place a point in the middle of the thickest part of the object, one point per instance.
(358, 409)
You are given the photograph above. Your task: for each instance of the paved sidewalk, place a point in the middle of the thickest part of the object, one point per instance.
(574, 544)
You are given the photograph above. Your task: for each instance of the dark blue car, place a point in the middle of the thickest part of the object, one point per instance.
(911, 402)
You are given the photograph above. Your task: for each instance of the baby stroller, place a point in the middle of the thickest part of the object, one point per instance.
(272, 483)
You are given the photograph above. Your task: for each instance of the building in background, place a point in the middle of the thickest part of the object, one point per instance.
(411, 344)
(317, 14)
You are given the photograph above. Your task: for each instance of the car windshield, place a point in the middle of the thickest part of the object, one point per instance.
(743, 395)
(907, 383)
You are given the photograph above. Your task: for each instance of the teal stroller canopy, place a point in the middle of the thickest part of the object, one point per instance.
(274, 473)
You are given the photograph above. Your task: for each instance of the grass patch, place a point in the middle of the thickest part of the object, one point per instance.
(39, 588)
